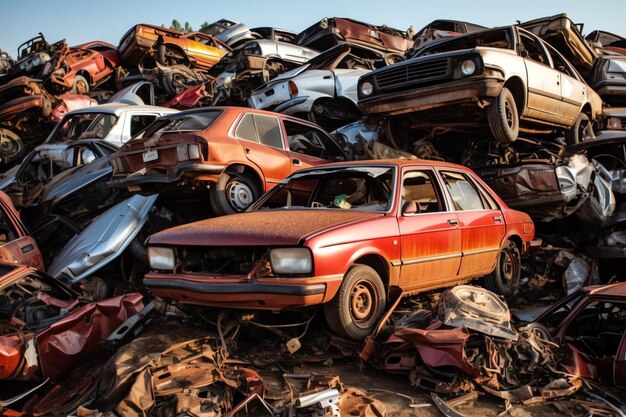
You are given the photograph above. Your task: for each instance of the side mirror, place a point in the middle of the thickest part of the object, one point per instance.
(410, 207)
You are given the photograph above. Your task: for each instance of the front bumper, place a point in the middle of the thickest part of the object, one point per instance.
(240, 292)
(438, 95)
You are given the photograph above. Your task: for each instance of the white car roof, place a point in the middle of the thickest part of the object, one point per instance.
(118, 108)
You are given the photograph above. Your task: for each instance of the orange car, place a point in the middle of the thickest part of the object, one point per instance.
(344, 235)
(169, 46)
(238, 152)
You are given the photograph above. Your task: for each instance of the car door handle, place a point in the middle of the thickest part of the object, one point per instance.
(27, 248)
(453, 221)
(296, 162)
(497, 219)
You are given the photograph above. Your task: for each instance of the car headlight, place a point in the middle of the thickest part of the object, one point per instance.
(291, 261)
(161, 258)
(468, 67)
(367, 88)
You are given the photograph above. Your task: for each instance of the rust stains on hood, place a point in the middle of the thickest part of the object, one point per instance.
(274, 227)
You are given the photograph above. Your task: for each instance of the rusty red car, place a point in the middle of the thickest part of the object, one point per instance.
(591, 323)
(344, 235)
(238, 152)
(46, 329)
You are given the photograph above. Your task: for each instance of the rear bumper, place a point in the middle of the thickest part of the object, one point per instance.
(176, 174)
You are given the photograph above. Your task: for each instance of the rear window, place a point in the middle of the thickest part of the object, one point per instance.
(183, 122)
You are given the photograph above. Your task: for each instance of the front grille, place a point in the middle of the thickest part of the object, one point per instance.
(221, 260)
(414, 73)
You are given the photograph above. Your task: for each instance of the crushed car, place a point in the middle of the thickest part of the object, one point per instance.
(239, 152)
(492, 78)
(323, 90)
(344, 235)
(383, 44)
(47, 329)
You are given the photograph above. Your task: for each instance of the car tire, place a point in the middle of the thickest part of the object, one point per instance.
(233, 193)
(581, 131)
(503, 117)
(504, 279)
(358, 305)
(80, 85)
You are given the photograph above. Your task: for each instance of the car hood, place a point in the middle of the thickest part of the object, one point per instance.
(273, 227)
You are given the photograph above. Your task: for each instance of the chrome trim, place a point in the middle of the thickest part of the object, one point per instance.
(479, 251)
(432, 258)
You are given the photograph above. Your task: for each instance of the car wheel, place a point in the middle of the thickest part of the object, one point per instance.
(80, 85)
(233, 193)
(504, 280)
(358, 305)
(11, 146)
(581, 131)
(503, 117)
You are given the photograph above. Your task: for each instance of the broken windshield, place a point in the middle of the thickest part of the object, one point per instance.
(84, 125)
(496, 38)
(358, 188)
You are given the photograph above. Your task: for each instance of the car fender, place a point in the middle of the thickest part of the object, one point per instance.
(103, 240)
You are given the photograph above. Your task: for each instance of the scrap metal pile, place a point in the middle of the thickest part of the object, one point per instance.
(162, 199)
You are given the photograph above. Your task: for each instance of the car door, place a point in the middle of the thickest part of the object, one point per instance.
(16, 246)
(430, 238)
(544, 89)
(310, 146)
(480, 221)
(261, 137)
(573, 91)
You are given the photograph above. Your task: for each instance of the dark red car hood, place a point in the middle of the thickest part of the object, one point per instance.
(274, 227)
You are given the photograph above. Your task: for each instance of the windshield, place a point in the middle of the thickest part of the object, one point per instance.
(354, 188)
(497, 38)
(81, 126)
(181, 123)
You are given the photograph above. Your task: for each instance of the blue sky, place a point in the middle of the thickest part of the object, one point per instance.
(82, 21)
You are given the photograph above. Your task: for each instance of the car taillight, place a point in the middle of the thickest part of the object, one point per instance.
(293, 88)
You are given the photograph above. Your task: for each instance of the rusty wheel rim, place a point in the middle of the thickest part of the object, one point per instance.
(363, 303)
(508, 266)
(81, 87)
(508, 113)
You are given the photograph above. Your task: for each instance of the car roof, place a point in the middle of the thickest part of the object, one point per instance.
(238, 109)
(617, 289)
(117, 108)
(392, 162)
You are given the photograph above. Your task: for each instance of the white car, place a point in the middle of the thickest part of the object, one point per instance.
(112, 123)
(321, 90)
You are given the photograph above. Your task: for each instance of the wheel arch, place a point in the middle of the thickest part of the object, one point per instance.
(518, 89)
(252, 172)
(515, 239)
(378, 263)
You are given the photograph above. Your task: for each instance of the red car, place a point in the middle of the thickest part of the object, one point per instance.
(47, 329)
(238, 152)
(592, 324)
(343, 235)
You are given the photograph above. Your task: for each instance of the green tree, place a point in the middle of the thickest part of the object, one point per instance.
(176, 25)
(204, 26)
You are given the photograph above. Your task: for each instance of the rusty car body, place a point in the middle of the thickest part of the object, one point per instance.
(343, 235)
(592, 324)
(47, 330)
(169, 46)
(16, 246)
(384, 43)
(240, 152)
(505, 75)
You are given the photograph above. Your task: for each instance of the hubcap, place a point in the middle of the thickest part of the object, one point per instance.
(363, 303)
(81, 87)
(508, 266)
(239, 195)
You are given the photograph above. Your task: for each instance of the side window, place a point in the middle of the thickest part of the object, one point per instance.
(559, 63)
(268, 129)
(139, 121)
(7, 231)
(418, 186)
(246, 129)
(464, 195)
(534, 50)
(310, 141)
(598, 329)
